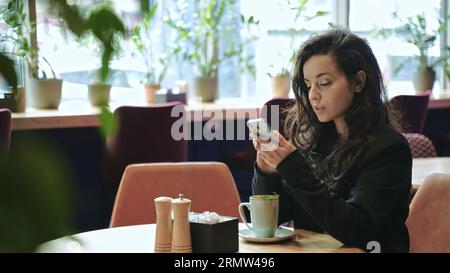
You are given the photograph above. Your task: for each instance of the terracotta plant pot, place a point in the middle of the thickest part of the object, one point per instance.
(281, 84)
(150, 91)
(99, 94)
(424, 80)
(45, 94)
(206, 88)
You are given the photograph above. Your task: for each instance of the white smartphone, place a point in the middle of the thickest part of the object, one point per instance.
(259, 127)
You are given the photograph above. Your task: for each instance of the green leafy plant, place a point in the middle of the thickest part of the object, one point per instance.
(35, 200)
(107, 29)
(284, 69)
(414, 30)
(17, 38)
(199, 40)
(156, 63)
(8, 71)
(101, 22)
(108, 123)
(15, 35)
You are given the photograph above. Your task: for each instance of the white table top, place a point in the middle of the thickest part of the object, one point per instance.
(422, 167)
(140, 238)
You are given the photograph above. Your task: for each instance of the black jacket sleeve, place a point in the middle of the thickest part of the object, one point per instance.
(383, 180)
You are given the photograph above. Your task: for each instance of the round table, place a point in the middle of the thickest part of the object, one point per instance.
(140, 238)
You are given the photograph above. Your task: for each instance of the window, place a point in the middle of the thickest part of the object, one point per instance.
(366, 14)
(8, 38)
(276, 43)
(58, 46)
(75, 60)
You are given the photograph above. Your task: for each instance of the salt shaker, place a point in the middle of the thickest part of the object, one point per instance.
(181, 236)
(163, 237)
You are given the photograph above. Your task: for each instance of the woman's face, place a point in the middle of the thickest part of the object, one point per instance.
(330, 94)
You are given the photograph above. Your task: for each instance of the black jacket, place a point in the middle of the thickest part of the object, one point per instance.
(374, 209)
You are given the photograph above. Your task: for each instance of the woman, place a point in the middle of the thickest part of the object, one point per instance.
(346, 170)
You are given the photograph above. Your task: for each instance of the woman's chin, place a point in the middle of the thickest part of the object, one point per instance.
(323, 119)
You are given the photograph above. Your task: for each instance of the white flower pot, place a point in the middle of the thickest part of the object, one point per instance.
(45, 93)
(99, 94)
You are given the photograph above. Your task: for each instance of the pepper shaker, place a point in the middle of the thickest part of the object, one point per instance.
(163, 237)
(181, 236)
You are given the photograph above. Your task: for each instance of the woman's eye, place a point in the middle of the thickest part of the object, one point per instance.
(325, 83)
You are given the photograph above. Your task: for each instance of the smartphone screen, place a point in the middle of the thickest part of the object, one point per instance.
(260, 128)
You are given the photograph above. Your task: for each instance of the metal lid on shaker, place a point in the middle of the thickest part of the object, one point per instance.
(181, 200)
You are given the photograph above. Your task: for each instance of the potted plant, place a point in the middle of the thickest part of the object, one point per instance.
(415, 31)
(200, 42)
(281, 81)
(107, 29)
(45, 92)
(281, 74)
(156, 63)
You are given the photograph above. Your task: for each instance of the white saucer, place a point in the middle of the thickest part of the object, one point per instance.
(281, 234)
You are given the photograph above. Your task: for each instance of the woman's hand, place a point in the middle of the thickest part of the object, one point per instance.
(270, 154)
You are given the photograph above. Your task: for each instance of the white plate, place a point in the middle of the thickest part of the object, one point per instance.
(281, 234)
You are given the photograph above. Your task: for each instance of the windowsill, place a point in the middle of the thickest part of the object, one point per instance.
(75, 110)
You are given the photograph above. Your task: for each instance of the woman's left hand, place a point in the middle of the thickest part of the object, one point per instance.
(273, 153)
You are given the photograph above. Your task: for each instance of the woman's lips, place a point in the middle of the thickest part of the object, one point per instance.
(319, 109)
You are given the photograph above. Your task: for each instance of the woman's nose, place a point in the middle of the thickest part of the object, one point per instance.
(313, 94)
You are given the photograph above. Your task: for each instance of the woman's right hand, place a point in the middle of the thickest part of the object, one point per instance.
(263, 166)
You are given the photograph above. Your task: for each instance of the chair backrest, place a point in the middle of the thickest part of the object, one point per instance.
(283, 104)
(429, 217)
(209, 185)
(5, 131)
(421, 146)
(143, 135)
(413, 111)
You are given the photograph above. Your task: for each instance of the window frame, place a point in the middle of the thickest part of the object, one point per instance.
(340, 15)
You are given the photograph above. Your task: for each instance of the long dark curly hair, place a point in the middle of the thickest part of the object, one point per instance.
(329, 158)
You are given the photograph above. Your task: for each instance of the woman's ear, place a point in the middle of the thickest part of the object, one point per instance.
(360, 81)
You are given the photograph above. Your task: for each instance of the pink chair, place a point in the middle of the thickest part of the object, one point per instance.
(5, 131)
(429, 217)
(143, 136)
(209, 185)
(413, 109)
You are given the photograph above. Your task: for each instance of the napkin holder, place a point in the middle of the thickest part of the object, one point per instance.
(167, 95)
(221, 237)
(8, 100)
